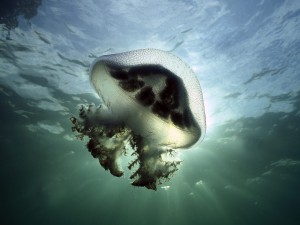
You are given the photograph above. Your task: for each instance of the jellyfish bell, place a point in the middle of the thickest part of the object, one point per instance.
(152, 100)
(155, 92)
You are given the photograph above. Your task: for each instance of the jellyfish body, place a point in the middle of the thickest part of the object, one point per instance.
(151, 100)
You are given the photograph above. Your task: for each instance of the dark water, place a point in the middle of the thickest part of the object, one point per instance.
(245, 54)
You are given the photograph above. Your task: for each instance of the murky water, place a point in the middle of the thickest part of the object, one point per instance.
(245, 55)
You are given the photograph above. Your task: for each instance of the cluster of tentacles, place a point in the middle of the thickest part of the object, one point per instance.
(109, 141)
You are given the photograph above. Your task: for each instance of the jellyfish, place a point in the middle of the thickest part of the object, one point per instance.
(152, 104)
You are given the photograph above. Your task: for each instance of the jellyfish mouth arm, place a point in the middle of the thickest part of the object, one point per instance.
(156, 164)
(107, 136)
(107, 143)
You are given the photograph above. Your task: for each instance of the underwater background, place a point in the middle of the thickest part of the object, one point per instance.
(246, 56)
